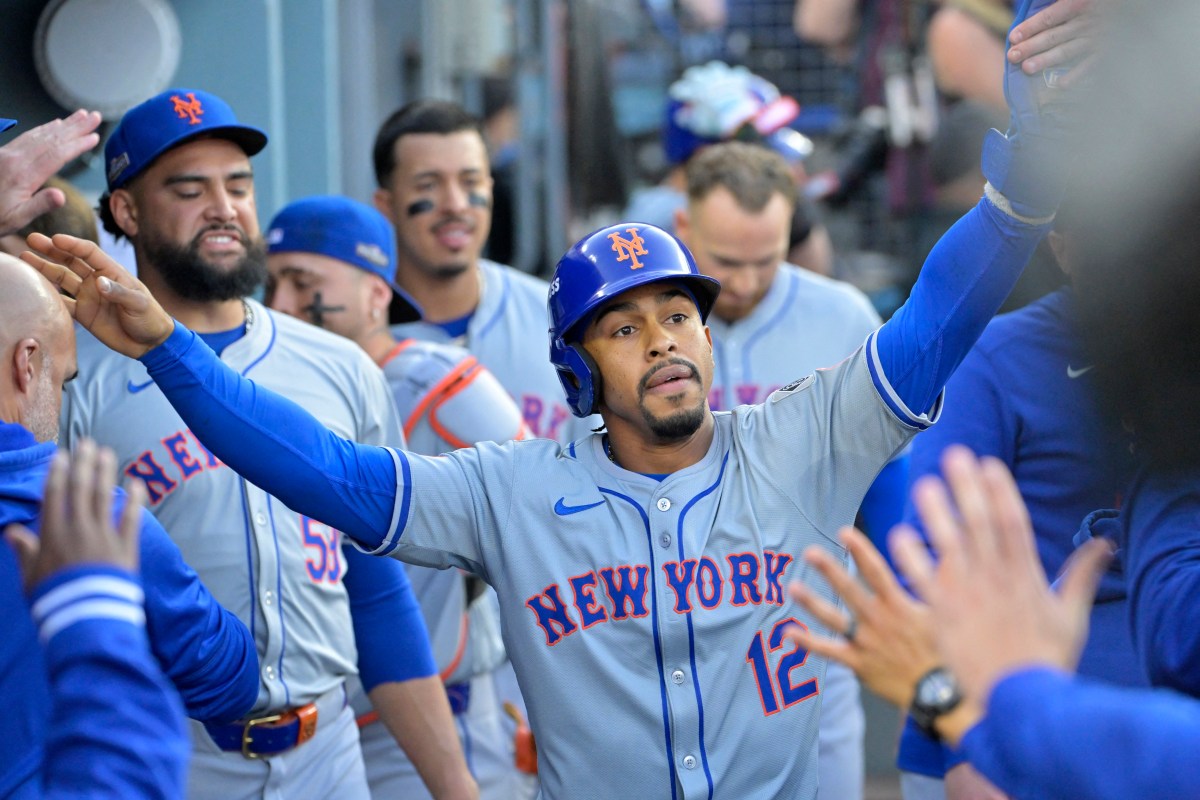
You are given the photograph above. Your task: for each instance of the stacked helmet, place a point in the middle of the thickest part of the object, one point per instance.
(716, 103)
(599, 267)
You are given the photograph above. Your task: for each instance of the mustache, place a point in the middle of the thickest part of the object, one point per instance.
(670, 362)
(455, 220)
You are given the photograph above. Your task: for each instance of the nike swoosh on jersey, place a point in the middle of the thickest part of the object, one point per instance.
(134, 388)
(1075, 373)
(562, 509)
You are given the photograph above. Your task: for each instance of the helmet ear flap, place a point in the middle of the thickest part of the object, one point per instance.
(578, 374)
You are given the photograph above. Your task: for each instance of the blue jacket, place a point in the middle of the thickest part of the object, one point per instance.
(204, 650)
(1052, 735)
(1023, 396)
(1162, 557)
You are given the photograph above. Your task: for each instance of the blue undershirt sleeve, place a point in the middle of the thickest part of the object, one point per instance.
(393, 643)
(968, 274)
(1050, 734)
(276, 444)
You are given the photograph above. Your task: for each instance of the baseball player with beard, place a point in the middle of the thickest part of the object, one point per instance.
(639, 570)
(435, 186)
(181, 188)
(331, 262)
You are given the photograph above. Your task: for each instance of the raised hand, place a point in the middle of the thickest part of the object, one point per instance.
(1060, 36)
(111, 304)
(992, 607)
(1030, 163)
(891, 643)
(30, 159)
(77, 523)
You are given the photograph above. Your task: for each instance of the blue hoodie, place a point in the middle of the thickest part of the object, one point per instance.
(206, 652)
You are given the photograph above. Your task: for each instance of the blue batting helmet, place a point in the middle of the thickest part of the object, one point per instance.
(599, 267)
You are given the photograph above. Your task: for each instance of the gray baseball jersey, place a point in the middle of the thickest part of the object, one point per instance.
(280, 572)
(508, 335)
(597, 569)
(447, 400)
(804, 322)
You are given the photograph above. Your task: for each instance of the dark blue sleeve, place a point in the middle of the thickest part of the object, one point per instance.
(1048, 734)
(968, 274)
(204, 649)
(116, 727)
(976, 413)
(1162, 562)
(393, 643)
(883, 505)
(276, 444)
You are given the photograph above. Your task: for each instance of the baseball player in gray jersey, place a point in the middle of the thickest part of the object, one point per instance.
(640, 570)
(331, 262)
(772, 322)
(181, 188)
(435, 186)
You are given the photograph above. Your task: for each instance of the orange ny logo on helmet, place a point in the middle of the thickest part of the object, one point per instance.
(629, 248)
(189, 109)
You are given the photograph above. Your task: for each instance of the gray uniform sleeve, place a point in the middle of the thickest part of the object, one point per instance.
(451, 509)
(823, 439)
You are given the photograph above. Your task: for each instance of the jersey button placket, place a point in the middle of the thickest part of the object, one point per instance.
(689, 761)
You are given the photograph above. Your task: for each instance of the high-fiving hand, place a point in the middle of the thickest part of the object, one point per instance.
(111, 304)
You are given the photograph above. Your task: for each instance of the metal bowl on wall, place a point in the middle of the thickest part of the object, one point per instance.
(106, 55)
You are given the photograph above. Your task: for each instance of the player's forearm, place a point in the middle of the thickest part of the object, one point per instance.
(965, 279)
(275, 443)
(1047, 733)
(116, 728)
(389, 629)
(417, 714)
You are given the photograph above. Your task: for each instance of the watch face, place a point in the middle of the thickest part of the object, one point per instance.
(937, 689)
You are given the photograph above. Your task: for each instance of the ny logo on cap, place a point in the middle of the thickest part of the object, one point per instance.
(629, 248)
(189, 109)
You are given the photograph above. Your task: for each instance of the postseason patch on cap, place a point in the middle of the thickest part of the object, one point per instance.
(372, 253)
(116, 166)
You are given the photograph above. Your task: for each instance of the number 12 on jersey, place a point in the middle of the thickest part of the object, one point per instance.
(777, 686)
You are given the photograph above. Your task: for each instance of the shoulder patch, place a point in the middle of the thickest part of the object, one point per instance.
(794, 386)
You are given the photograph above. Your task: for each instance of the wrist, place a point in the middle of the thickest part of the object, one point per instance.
(935, 696)
(953, 726)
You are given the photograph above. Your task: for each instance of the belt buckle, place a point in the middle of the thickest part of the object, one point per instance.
(250, 725)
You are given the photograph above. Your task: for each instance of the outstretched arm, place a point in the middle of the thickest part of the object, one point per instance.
(976, 263)
(264, 437)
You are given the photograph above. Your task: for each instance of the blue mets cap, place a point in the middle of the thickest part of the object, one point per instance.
(716, 103)
(5, 124)
(345, 229)
(167, 120)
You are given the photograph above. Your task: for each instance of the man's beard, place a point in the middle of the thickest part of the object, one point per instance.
(678, 424)
(191, 277)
